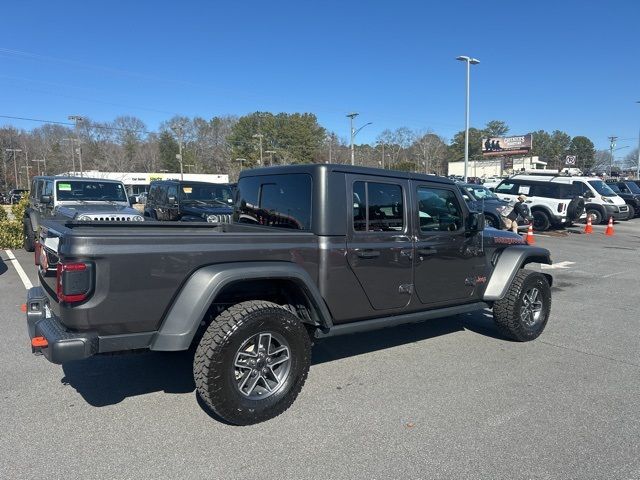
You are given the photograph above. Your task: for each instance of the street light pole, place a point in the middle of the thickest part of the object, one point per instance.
(178, 129)
(612, 145)
(351, 116)
(470, 61)
(259, 136)
(73, 158)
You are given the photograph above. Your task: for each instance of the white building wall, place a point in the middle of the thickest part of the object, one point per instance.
(492, 167)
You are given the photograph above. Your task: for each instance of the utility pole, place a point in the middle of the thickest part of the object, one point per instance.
(26, 169)
(38, 162)
(382, 157)
(73, 158)
(260, 136)
(272, 152)
(470, 61)
(78, 119)
(612, 146)
(638, 159)
(179, 131)
(15, 164)
(351, 116)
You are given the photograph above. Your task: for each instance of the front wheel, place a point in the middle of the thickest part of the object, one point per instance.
(632, 212)
(523, 312)
(596, 216)
(252, 362)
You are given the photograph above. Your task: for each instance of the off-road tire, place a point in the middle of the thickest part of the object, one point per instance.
(29, 235)
(596, 216)
(541, 221)
(507, 311)
(632, 212)
(213, 365)
(575, 209)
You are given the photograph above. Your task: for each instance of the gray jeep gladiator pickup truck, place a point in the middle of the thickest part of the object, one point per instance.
(313, 251)
(77, 198)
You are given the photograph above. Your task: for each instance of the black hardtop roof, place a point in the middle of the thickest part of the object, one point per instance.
(314, 169)
(71, 179)
(174, 180)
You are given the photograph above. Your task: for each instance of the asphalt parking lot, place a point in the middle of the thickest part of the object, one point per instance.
(445, 399)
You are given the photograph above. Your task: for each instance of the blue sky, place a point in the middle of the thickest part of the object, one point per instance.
(562, 65)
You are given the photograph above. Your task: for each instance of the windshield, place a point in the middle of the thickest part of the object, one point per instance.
(602, 188)
(633, 187)
(480, 192)
(219, 194)
(79, 190)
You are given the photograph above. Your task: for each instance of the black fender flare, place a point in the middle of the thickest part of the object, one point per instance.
(545, 209)
(201, 289)
(596, 206)
(507, 265)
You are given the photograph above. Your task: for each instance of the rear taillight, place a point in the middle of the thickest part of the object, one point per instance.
(561, 207)
(73, 282)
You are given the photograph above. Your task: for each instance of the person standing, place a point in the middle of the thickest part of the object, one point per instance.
(510, 214)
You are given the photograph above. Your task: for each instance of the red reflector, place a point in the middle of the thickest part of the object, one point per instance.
(23, 307)
(37, 253)
(560, 207)
(39, 342)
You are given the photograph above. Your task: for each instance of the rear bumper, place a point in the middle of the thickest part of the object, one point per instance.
(64, 345)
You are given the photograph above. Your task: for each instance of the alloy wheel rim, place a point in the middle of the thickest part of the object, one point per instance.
(262, 365)
(531, 309)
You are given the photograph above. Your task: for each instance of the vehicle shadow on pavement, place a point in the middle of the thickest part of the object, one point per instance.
(108, 380)
(3, 267)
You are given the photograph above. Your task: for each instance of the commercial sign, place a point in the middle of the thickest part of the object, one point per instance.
(495, 146)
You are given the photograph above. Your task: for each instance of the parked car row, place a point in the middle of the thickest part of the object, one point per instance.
(12, 196)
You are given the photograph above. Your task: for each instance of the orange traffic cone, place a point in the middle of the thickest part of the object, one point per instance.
(609, 231)
(529, 238)
(589, 227)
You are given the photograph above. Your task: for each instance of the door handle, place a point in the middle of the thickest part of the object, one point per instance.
(427, 251)
(367, 253)
(401, 238)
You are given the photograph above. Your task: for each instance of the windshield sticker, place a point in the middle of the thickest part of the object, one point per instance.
(187, 189)
(64, 187)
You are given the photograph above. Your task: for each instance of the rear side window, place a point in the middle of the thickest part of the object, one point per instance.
(506, 187)
(48, 188)
(377, 207)
(282, 201)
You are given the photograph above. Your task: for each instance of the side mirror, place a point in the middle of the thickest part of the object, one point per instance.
(172, 200)
(588, 194)
(46, 199)
(475, 222)
(132, 201)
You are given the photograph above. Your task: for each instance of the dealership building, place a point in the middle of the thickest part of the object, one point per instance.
(138, 182)
(496, 167)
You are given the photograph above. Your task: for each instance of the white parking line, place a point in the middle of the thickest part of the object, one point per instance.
(23, 276)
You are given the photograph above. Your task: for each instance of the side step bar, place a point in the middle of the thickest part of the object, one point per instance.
(393, 321)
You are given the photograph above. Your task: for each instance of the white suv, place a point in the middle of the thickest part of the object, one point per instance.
(551, 204)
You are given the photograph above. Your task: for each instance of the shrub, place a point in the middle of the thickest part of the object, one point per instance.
(11, 234)
(19, 208)
(3, 214)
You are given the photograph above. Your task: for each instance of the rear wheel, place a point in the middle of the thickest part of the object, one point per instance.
(541, 221)
(491, 221)
(596, 216)
(523, 312)
(252, 362)
(29, 235)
